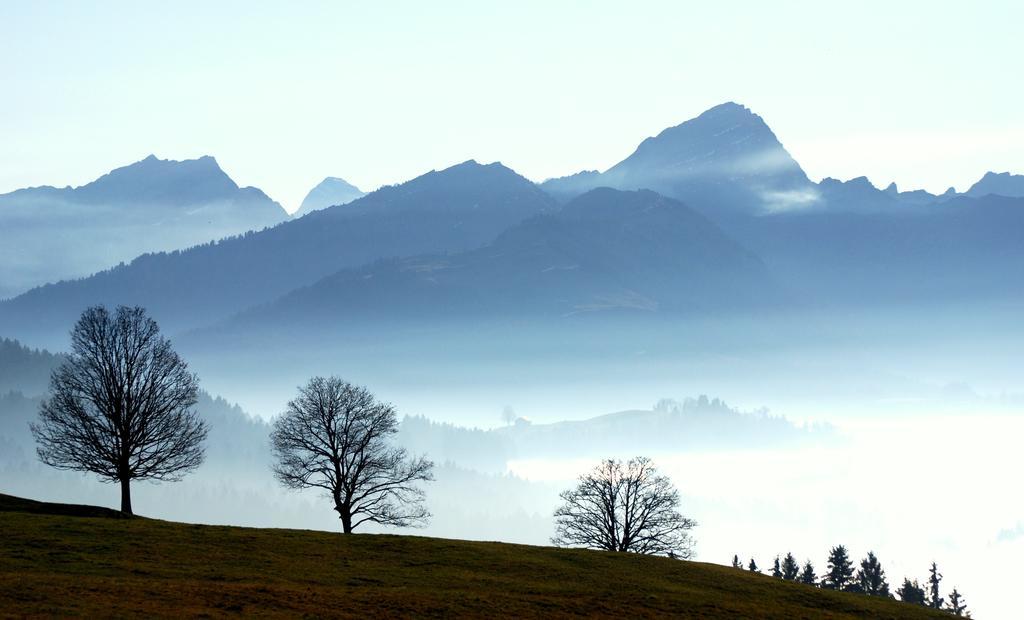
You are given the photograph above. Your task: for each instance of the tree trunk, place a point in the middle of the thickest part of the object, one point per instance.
(346, 523)
(126, 497)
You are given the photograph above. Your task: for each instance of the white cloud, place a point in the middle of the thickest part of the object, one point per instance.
(790, 200)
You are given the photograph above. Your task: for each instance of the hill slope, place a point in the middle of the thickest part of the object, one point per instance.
(54, 564)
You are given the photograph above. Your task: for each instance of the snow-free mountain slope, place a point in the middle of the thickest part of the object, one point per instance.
(49, 234)
(1000, 184)
(607, 251)
(328, 193)
(452, 210)
(725, 159)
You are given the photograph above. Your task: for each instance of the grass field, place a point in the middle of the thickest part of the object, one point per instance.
(58, 559)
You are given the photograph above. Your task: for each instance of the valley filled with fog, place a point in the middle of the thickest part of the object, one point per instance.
(828, 426)
(811, 363)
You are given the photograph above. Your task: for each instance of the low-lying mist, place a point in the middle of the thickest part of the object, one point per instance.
(809, 365)
(883, 430)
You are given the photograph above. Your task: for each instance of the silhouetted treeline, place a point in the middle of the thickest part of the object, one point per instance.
(25, 370)
(237, 439)
(237, 442)
(867, 578)
(695, 423)
(468, 447)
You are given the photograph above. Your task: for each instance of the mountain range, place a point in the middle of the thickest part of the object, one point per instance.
(726, 159)
(607, 251)
(709, 216)
(459, 208)
(48, 234)
(1000, 184)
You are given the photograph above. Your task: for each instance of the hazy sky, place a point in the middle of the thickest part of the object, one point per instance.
(284, 94)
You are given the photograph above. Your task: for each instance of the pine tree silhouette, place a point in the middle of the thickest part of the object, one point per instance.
(807, 574)
(777, 569)
(736, 562)
(752, 567)
(911, 592)
(956, 604)
(934, 577)
(840, 570)
(871, 577)
(790, 569)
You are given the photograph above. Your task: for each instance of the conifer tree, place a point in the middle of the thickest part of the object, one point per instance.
(871, 577)
(736, 562)
(790, 569)
(934, 577)
(956, 604)
(840, 570)
(777, 569)
(911, 592)
(752, 567)
(807, 574)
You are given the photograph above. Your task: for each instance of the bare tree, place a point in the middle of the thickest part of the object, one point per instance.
(624, 507)
(334, 436)
(121, 406)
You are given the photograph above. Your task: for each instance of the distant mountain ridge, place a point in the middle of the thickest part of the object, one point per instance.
(328, 193)
(478, 230)
(833, 241)
(154, 182)
(725, 158)
(459, 208)
(161, 182)
(49, 234)
(1000, 184)
(607, 251)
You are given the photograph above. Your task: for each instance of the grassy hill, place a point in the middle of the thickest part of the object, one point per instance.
(58, 559)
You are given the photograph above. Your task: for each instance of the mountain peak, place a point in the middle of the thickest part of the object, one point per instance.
(473, 166)
(162, 181)
(203, 161)
(730, 108)
(727, 157)
(330, 192)
(473, 172)
(720, 120)
(150, 205)
(999, 183)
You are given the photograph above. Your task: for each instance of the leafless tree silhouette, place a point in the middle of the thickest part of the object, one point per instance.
(121, 406)
(334, 436)
(624, 507)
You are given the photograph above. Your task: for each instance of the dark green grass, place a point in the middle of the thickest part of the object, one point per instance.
(90, 565)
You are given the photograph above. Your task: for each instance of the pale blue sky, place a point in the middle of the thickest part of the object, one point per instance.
(284, 94)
